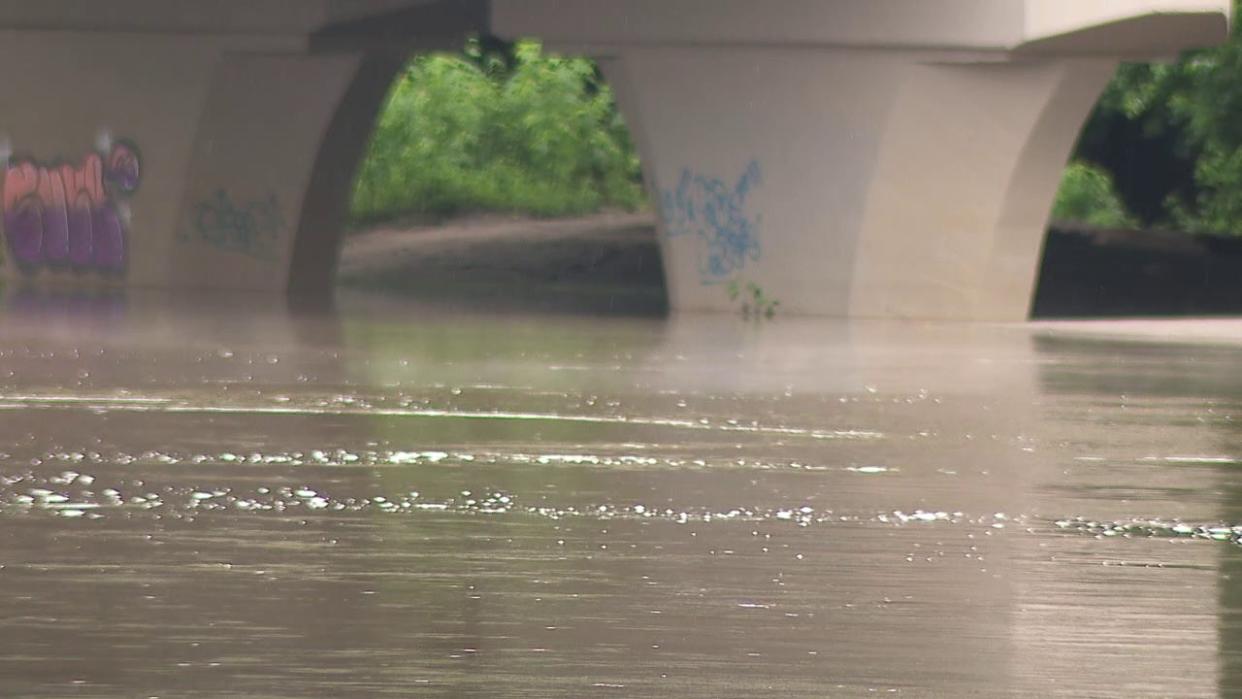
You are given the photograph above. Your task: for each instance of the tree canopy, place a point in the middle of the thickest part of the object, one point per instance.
(1170, 136)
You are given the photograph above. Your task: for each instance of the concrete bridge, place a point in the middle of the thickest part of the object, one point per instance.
(867, 158)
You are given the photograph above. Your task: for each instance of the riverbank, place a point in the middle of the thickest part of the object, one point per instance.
(605, 263)
(610, 263)
(1090, 272)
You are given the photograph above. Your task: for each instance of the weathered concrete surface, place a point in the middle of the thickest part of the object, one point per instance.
(878, 159)
(891, 158)
(159, 144)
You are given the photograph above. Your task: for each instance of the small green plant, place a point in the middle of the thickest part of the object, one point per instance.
(755, 303)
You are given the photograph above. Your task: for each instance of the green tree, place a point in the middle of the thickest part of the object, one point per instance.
(1087, 195)
(1170, 136)
(498, 130)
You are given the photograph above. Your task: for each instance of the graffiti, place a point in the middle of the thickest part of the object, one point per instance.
(63, 215)
(714, 214)
(250, 228)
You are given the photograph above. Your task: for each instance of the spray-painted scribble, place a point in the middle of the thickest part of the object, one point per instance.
(715, 215)
(250, 227)
(62, 215)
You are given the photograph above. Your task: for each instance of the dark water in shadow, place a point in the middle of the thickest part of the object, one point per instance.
(391, 500)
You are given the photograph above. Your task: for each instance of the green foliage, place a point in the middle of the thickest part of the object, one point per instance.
(755, 303)
(528, 133)
(1087, 195)
(1218, 208)
(1190, 113)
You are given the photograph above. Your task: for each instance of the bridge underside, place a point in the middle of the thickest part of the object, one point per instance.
(834, 158)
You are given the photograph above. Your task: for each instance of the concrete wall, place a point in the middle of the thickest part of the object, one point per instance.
(713, 139)
(200, 17)
(254, 151)
(70, 96)
(845, 157)
(992, 24)
(953, 25)
(1049, 18)
(963, 186)
(880, 158)
(168, 148)
(224, 133)
(881, 187)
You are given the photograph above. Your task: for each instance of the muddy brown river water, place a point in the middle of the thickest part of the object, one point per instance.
(203, 500)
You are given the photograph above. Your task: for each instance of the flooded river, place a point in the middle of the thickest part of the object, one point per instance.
(393, 500)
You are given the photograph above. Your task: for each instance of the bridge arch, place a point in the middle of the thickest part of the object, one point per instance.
(806, 148)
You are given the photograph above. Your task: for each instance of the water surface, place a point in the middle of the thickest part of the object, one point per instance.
(396, 500)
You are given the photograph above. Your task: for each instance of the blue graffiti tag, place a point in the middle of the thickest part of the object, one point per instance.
(251, 227)
(715, 214)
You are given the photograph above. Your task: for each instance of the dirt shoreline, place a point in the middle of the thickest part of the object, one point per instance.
(610, 263)
(606, 263)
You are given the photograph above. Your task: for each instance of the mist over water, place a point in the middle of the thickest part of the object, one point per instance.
(410, 500)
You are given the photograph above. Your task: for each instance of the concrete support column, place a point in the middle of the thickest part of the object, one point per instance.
(851, 182)
(325, 202)
(97, 133)
(887, 158)
(255, 155)
(963, 187)
(179, 162)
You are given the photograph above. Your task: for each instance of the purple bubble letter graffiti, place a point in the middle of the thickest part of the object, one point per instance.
(62, 215)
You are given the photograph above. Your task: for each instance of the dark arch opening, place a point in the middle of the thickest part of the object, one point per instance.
(1141, 260)
(522, 244)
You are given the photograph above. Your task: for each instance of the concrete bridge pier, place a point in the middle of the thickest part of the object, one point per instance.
(161, 161)
(272, 162)
(844, 183)
(881, 159)
(877, 158)
(181, 145)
